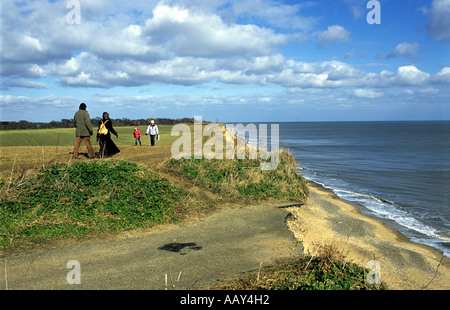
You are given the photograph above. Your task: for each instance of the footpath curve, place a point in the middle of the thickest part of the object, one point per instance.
(223, 245)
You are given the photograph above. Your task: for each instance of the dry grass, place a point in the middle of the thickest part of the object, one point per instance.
(327, 269)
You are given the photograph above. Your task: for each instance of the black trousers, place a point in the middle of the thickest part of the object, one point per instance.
(152, 139)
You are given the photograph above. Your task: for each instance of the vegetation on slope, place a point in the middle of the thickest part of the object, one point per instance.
(244, 178)
(79, 198)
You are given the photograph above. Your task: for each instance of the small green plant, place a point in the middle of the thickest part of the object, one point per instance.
(76, 199)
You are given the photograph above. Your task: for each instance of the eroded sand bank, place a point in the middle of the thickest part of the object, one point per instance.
(326, 220)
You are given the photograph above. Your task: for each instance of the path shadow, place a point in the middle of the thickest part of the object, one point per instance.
(177, 247)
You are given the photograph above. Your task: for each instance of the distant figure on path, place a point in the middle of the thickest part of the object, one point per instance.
(107, 147)
(83, 131)
(137, 135)
(152, 129)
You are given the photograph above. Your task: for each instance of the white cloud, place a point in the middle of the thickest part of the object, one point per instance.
(404, 49)
(26, 104)
(174, 36)
(335, 74)
(30, 43)
(287, 16)
(81, 80)
(439, 22)
(194, 33)
(429, 91)
(410, 75)
(68, 67)
(442, 77)
(264, 64)
(184, 44)
(22, 84)
(357, 8)
(333, 33)
(367, 93)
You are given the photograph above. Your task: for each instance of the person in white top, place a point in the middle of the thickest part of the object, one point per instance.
(152, 129)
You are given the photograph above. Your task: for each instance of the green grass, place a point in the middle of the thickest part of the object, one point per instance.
(66, 136)
(86, 197)
(244, 177)
(37, 137)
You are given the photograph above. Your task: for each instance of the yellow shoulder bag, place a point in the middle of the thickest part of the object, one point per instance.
(103, 130)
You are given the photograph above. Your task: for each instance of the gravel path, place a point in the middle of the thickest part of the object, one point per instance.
(223, 245)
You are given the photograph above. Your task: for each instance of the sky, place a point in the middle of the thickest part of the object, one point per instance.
(232, 61)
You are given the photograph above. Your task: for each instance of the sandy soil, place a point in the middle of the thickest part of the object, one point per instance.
(326, 220)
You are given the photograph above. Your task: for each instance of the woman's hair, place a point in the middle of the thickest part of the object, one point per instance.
(105, 113)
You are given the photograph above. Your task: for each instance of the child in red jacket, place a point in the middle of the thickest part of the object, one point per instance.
(137, 136)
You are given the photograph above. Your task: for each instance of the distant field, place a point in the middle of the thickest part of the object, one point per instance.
(66, 137)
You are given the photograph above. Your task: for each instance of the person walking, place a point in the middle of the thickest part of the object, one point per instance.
(107, 147)
(137, 135)
(152, 129)
(83, 131)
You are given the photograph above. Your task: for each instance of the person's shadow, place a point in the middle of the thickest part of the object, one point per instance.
(177, 247)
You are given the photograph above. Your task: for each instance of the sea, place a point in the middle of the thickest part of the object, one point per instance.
(396, 171)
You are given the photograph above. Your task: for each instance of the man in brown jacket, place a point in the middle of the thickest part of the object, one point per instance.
(84, 131)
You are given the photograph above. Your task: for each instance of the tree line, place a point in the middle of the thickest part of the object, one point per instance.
(69, 123)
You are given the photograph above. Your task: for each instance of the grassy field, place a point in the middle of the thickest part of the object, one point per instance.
(30, 149)
(66, 137)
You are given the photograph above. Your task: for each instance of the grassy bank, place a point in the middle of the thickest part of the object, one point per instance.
(244, 178)
(70, 200)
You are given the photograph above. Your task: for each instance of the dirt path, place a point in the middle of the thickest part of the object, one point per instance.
(223, 245)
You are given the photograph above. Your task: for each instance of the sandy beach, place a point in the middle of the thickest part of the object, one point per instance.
(326, 220)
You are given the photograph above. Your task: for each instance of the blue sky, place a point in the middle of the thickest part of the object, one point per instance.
(236, 61)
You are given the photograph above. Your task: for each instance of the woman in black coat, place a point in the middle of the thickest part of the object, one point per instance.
(107, 146)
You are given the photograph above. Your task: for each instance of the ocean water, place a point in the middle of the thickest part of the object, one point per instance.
(396, 171)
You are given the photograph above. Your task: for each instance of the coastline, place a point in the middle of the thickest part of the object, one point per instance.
(327, 220)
